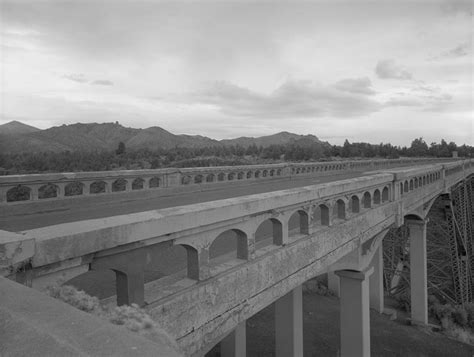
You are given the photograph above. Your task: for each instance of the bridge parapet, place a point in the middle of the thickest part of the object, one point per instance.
(18, 189)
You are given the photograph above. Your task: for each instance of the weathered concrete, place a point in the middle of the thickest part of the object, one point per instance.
(354, 313)
(376, 281)
(289, 324)
(213, 299)
(33, 324)
(418, 272)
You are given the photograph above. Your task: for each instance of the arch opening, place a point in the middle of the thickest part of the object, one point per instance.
(298, 223)
(98, 187)
(229, 245)
(48, 191)
(154, 182)
(75, 188)
(138, 183)
(377, 197)
(19, 193)
(269, 232)
(367, 200)
(119, 185)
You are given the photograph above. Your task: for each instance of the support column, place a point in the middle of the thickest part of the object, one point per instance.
(354, 313)
(333, 283)
(418, 273)
(130, 288)
(376, 281)
(289, 324)
(235, 343)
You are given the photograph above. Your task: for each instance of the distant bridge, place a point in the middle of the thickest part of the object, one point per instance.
(330, 227)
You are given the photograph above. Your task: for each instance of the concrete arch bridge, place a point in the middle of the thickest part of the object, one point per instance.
(336, 227)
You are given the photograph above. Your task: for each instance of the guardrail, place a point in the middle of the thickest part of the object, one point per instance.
(28, 188)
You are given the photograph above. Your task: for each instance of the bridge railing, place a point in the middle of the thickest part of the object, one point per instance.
(16, 189)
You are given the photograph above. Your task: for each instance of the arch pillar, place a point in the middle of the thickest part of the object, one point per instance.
(129, 272)
(418, 271)
(354, 313)
(376, 281)
(289, 324)
(34, 193)
(235, 343)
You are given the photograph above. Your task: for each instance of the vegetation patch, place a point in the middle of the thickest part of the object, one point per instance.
(131, 317)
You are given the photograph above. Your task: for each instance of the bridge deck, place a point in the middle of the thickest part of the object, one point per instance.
(21, 217)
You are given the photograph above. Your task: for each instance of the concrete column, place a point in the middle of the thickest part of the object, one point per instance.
(34, 192)
(128, 185)
(235, 343)
(418, 273)
(61, 189)
(3, 194)
(130, 288)
(289, 324)
(333, 283)
(376, 281)
(146, 183)
(354, 313)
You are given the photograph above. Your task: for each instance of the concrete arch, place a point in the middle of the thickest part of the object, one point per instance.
(415, 182)
(154, 182)
(257, 174)
(231, 176)
(264, 173)
(232, 243)
(367, 200)
(340, 209)
(298, 223)
(249, 174)
(98, 187)
(240, 176)
(411, 185)
(210, 178)
(198, 178)
(192, 262)
(401, 188)
(271, 173)
(278, 172)
(186, 180)
(355, 204)
(377, 197)
(269, 231)
(49, 190)
(385, 194)
(19, 193)
(75, 188)
(138, 184)
(324, 215)
(119, 185)
(405, 186)
(424, 180)
(221, 176)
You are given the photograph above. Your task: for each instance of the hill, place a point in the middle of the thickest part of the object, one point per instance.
(16, 137)
(15, 127)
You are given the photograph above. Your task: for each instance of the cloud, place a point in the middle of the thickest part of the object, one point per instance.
(461, 50)
(358, 85)
(388, 69)
(293, 99)
(102, 82)
(79, 78)
(403, 102)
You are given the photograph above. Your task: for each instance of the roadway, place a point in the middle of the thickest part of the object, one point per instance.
(20, 217)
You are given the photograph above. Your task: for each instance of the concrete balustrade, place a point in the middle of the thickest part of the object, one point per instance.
(25, 188)
(313, 227)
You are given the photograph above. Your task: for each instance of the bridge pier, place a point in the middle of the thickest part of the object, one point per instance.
(354, 313)
(235, 343)
(418, 272)
(333, 283)
(289, 324)
(376, 281)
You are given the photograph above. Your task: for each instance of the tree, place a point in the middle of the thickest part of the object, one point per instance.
(121, 148)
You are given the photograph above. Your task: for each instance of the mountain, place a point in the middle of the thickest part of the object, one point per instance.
(16, 137)
(280, 138)
(15, 127)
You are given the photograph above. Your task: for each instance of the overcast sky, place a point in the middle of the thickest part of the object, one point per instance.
(376, 71)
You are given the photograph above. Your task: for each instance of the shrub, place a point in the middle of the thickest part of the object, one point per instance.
(77, 298)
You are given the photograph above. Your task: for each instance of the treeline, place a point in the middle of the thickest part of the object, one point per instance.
(123, 159)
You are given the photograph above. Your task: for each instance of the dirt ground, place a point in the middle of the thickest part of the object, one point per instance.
(321, 334)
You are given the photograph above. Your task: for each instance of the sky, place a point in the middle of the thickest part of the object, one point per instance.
(371, 71)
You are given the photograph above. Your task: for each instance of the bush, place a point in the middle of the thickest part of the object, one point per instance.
(77, 298)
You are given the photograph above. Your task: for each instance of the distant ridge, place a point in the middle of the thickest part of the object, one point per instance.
(16, 137)
(15, 127)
